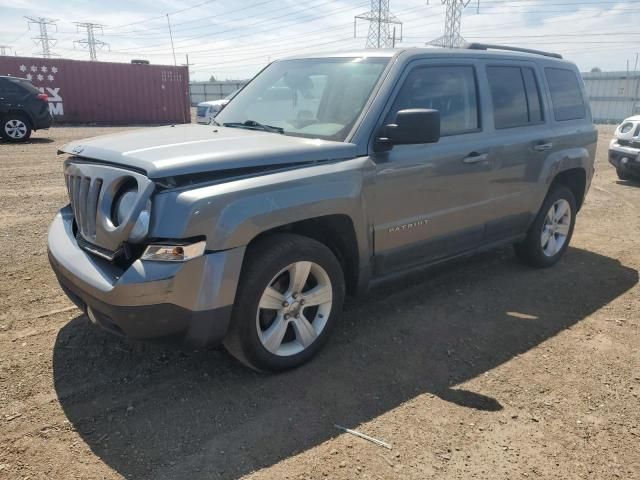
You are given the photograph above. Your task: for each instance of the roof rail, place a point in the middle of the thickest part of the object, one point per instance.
(487, 46)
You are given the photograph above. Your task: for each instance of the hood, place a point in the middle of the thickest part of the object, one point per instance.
(186, 149)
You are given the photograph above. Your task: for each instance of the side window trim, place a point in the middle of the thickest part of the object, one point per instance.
(536, 85)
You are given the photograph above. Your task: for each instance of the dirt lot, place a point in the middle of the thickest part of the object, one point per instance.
(483, 369)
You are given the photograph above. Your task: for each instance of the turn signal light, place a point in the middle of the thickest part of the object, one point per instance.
(174, 253)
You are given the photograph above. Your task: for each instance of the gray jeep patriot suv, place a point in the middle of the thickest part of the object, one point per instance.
(323, 176)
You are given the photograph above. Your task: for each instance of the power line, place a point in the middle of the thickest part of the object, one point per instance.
(243, 28)
(380, 21)
(451, 37)
(91, 42)
(156, 17)
(45, 41)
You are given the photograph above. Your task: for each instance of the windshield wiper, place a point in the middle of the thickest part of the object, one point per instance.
(253, 125)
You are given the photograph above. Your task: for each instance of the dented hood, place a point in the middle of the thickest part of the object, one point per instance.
(187, 149)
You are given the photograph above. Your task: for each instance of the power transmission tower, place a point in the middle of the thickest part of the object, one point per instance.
(380, 20)
(90, 42)
(451, 37)
(45, 41)
(5, 49)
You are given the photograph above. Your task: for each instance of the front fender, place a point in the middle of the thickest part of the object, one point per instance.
(231, 214)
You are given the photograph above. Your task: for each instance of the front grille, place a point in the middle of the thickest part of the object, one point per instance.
(84, 193)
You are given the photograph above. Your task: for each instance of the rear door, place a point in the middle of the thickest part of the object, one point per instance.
(523, 139)
(429, 201)
(7, 97)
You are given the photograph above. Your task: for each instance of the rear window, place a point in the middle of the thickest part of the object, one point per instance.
(566, 95)
(515, 95)
(17, 85)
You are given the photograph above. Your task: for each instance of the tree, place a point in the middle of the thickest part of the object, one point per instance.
(596, 70)
(212, 78)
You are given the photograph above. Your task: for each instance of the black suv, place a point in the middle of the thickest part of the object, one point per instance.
(22, 109)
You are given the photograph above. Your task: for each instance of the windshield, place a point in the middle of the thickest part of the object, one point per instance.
(313, 98)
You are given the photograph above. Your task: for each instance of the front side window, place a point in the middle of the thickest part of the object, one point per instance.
(313, 98)
(449, 89)
(515, 96)
(566, 95)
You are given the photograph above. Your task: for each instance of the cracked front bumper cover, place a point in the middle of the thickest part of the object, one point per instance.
(192, 299)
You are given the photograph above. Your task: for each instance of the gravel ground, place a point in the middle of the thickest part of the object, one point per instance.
(480, 369)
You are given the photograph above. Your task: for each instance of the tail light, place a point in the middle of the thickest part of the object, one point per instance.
(43, 96)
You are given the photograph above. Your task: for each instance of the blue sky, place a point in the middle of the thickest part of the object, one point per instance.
(235, 38)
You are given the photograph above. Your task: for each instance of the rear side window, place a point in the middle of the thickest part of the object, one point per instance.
(566, 95)
(515, 95)
(11, 87)
(451, 90)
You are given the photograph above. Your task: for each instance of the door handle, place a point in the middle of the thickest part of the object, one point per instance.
(542, 147)
(475, 157)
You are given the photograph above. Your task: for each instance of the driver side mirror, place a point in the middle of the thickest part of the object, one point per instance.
(411, 126)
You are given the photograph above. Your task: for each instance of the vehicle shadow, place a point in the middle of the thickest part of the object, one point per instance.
(155, 411)
(27, 142)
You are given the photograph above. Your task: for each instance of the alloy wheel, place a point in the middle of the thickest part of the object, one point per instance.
(15, 129)
(294, 308)
(555, 228)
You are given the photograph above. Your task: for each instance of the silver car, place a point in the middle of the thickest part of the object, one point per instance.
(324, 176)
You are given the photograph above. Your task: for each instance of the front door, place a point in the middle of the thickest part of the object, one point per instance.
(430, 201)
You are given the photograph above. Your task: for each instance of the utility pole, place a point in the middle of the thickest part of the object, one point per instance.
(452, 37)
(90, 42)
(5, 49)
(188, 65)
(171, 37)
(380, 20)
(45, 41)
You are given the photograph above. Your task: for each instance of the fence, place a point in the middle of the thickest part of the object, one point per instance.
(205, 91)
(614, 96)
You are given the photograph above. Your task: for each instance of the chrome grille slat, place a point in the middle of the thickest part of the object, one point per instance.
(92, 206)
(76, 198)
(82, 210)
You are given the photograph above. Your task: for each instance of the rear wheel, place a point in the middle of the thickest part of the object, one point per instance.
(290, 293)
(550, 234)
(15, 127)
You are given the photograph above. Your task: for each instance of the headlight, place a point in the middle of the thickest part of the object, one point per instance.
(626, 127)
(174, 253)
(125, 203)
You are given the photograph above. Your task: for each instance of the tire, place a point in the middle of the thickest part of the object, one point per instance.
(548, 239)
(265, 334)
(15, 127)
(622, 175)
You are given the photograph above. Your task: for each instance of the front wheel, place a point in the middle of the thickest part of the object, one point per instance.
(550, 234)
(291, 290)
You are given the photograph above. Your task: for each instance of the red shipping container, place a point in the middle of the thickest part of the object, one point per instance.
(106, 93)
